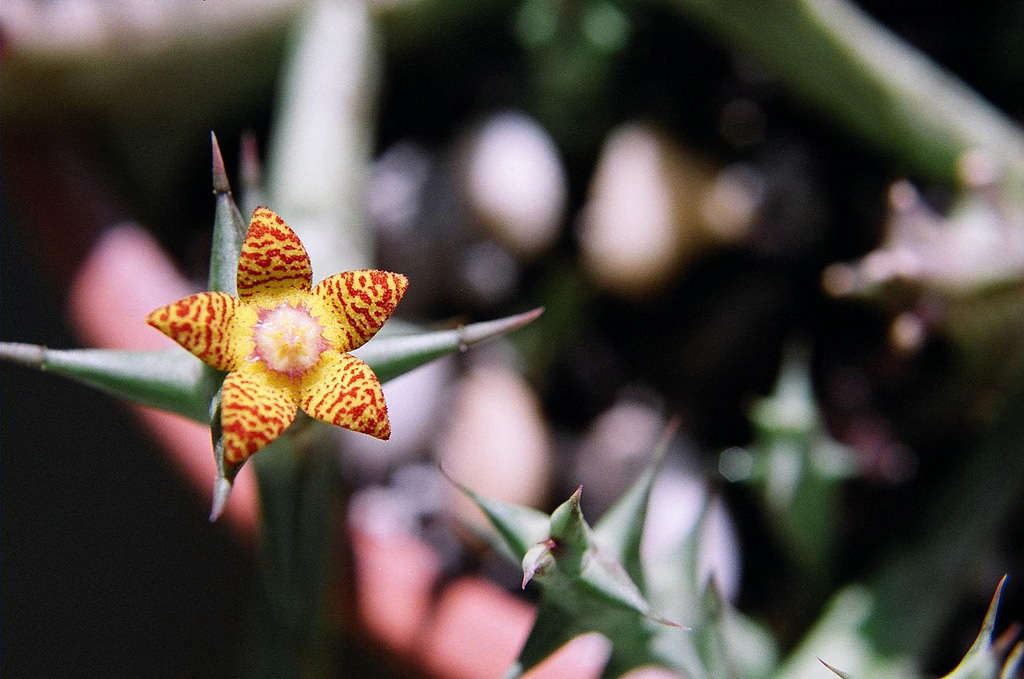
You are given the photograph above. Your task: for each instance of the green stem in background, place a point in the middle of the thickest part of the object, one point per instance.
(847, 65)
(287, 631)
(323, 133)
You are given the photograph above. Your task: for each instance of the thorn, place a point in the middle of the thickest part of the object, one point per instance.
(838, 673)
(447, 476)
(32, 355)
(220, 175)
(477, 332)
(671, 623)
(221, 491)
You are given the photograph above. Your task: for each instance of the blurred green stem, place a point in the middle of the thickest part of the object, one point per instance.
(838, 59)
(916, 590)
(323, 133)
(288, 635)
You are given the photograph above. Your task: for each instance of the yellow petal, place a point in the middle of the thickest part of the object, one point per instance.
(252, 415)
(204, 324)
(357, 303)
(343, 390)
(273, 259)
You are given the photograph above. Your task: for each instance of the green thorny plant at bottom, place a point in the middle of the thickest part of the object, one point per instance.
(592, 579)
(987, 657)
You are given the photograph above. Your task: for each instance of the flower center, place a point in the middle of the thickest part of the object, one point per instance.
(288, 339)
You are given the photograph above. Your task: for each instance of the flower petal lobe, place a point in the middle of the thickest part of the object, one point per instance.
(345, 392)
(359, 303)
(203, 324)
(273, 259)
(252, 415)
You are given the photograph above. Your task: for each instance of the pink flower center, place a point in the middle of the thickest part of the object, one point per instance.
(289, 340)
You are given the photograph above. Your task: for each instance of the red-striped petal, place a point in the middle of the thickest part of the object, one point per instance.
(202, 324)
(252, 415)
(344, 391)
(273, 259)
(358, 303)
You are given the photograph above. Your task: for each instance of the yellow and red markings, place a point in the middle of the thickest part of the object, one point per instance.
(258, 402)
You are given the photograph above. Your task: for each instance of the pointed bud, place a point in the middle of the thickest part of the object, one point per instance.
(220, 175)
(538, 560)
(567, 524)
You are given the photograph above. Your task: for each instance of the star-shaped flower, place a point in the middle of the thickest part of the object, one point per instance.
(284, 342)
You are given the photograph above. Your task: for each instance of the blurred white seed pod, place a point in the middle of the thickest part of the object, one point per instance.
(514, 183)
(652, 206)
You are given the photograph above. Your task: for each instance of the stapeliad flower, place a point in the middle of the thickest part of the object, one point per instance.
(284, 342)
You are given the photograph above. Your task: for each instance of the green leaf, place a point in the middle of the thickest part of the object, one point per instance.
(981, 661)
(553, 628)
(838, 638)
(228, 229)
(1013, 662)
(795, 466)
(288, 633)
(620, 530)
(394, 355)
(171, 379)
(892, 96)
(583, 588)
(518, 527)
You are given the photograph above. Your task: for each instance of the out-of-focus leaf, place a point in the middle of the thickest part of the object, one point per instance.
(795, 465)
(323, 133)
(892, 95)
(981, 660)
(171, 379)
(837, 637)
(724, 643)
(621, 528)
(584, 587)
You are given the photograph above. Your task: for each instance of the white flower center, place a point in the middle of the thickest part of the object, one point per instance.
(288, 339)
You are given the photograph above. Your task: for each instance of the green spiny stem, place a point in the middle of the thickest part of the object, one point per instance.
(170, 380)
(841, 61)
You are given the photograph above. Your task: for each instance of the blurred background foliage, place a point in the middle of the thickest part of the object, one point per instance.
(813, 259)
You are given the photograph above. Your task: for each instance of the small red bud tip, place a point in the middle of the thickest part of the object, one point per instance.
(220, 175)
